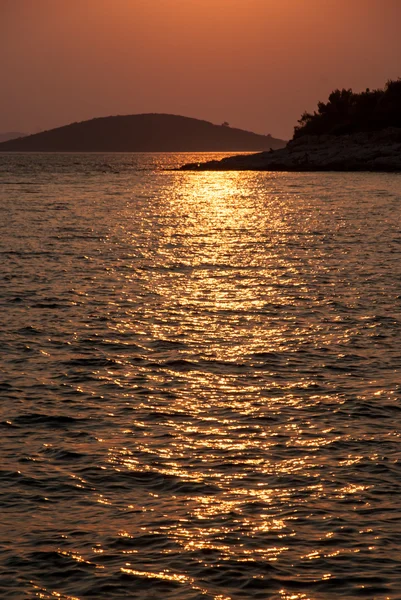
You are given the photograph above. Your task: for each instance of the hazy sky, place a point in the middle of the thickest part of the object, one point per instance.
(257, 64)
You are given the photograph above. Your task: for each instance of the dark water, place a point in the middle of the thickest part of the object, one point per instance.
(200, 385)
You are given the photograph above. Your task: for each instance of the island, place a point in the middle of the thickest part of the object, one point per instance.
(351, 132)
(151, 132)
(11, 135)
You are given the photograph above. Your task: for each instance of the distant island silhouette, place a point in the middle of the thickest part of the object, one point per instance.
(143, 133)
(11, 135)
(351, 132)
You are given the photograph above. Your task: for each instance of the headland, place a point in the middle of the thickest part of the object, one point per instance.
(351, 132)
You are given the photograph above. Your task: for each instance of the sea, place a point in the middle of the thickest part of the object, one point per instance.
(200, 385)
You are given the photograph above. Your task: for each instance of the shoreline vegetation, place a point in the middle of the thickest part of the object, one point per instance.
(351, 132)
(151, 132)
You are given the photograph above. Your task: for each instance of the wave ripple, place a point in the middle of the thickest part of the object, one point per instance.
(200, 390)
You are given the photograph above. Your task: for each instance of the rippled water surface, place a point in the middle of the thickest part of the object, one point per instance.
(200, 381)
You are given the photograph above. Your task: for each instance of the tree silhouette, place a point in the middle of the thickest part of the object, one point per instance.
(349, 112)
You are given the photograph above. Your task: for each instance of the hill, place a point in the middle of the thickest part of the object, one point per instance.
(143, 133)
(10, 135)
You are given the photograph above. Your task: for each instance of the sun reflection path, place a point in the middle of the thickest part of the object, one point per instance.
(202, 384)
(216, 266)
(227, 435)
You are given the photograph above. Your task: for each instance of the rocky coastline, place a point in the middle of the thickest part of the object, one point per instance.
(364, 151)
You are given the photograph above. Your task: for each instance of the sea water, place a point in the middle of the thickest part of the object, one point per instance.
(200, 386)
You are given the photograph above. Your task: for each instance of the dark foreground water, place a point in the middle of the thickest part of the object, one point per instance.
(200, 382)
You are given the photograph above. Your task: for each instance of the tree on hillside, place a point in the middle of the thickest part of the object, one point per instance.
(349, 112)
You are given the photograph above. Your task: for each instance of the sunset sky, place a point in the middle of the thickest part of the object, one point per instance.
(257, 64)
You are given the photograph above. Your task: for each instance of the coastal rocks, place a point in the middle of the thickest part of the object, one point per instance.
(364, 151)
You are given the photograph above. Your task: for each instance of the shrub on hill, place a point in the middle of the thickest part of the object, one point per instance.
(349, 112)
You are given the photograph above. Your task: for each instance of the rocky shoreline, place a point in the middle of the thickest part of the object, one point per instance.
(365, 151)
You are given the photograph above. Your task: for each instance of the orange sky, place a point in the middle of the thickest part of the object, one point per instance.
(257, 64)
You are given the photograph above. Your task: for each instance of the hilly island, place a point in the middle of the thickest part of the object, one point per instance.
(143, 133)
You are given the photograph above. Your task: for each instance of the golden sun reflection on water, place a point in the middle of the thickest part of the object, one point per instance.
(218, 269)
(223, 403)
(227, 293)
(204, 371)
